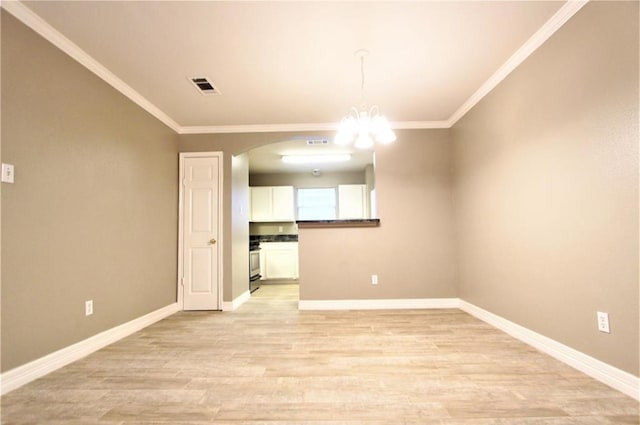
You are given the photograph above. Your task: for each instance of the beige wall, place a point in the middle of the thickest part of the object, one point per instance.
(306, 179)
(233, 145)
(240, 225)
(236, 143)
(544, 174)
(412, 251)
(286, 228)
(93, 211)
(0, 202)
(546, 188)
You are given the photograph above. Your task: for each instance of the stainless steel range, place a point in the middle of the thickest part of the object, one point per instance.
(254, 266)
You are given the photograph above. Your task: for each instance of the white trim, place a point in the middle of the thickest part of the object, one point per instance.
(419, 125)
(603, 372)
(33, 21)
(388, 304)
(554, 23)
(39, 25)
(258, 128)
(179, 271)
(233, 305)
(182, 156)
(566, 12)
(597, 369)
(31, 371)
(273, 128)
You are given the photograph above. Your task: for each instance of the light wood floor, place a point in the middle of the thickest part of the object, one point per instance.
(268, 363)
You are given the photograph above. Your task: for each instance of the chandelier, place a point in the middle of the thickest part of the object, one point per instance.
(364, 126)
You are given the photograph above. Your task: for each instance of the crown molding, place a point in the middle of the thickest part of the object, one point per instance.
(417, 125)
(33, 21)
(531, 45)
(257, 128)
(40, 26)
(275, 128)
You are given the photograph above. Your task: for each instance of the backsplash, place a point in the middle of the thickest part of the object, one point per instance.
(287, 228)
(274, 238)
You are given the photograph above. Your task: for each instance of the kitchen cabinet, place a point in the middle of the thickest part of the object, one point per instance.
(279, 260)
(352, 201)
(272, 203)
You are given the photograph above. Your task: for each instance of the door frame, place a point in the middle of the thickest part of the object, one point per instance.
(180, 277)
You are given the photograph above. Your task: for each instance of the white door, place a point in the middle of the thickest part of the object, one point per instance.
(200, 231)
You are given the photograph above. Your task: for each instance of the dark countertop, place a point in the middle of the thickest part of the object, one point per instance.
(360, 222)
(274, 238)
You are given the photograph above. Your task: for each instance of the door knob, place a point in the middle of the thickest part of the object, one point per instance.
(212, 241)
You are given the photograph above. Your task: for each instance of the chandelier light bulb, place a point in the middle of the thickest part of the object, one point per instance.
(347, 130)
(383, 131)
(362, 127)
(363, 141)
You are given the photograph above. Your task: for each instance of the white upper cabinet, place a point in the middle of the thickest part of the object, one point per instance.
(352, 201)
(283, 204)
(272, 203)
(261, 203)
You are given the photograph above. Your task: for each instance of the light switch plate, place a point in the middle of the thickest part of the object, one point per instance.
(88, 308)
(7, 173)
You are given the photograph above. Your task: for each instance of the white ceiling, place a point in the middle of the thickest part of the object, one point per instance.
(290, 65)
(268, 158)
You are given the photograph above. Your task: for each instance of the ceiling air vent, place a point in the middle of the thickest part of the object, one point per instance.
(204, 85)
(316, 142)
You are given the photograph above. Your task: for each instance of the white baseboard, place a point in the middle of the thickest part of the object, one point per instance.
(233, 305)
(603, 372)
(21, 375)
(411, 303)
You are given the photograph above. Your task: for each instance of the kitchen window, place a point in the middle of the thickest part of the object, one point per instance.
(316, 203)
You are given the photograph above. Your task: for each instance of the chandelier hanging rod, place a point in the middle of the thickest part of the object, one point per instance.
(363, 127)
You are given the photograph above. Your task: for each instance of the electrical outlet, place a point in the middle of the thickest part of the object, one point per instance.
(603, 322)
(88, 308)
(374, 279)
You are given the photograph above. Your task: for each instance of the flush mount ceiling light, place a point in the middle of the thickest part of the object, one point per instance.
(362, 127)
(315, 159)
